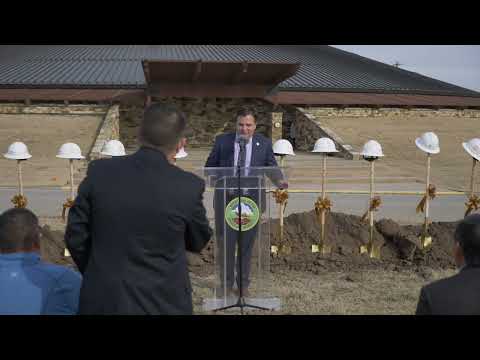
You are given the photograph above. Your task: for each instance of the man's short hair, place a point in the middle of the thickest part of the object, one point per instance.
(162, 127)
(467, 234)
(245, 111)
(19, 230)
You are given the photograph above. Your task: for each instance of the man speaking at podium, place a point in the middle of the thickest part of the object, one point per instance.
(251, 150)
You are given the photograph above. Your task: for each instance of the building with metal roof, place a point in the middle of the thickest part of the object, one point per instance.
(282, 74)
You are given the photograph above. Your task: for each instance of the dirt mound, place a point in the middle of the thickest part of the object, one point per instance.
(346, 233)
(52, 247)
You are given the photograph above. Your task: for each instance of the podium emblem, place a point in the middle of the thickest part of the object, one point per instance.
(249, 210)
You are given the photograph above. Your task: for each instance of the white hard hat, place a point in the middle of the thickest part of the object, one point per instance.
(429, 143)
(283, 147)
(372, 149)
(113, 148)
(473, 148)
(181, 154)
(17, 151)
(70, 151)
(324, 145)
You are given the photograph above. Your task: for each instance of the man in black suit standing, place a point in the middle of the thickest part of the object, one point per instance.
(246, 149)
(459, 294)
(133, 220)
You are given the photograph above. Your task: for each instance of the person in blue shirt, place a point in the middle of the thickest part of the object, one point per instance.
(28, 285)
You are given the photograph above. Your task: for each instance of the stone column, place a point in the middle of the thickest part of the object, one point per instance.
(277, 118)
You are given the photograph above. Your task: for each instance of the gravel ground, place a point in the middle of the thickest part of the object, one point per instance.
(366, 292)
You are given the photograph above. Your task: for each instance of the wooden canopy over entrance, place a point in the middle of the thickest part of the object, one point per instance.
(214, 79)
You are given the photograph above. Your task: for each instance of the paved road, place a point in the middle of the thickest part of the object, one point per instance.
(48, 202)
(43, 201)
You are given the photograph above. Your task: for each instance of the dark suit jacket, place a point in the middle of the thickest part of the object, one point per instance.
(456, 295)
(223, 155)
(128, 230)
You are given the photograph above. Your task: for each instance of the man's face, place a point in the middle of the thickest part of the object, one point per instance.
(246, 126)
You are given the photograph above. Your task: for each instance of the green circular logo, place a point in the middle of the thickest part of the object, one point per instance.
(250, 214)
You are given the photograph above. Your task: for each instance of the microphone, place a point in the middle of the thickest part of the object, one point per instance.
(242, 141)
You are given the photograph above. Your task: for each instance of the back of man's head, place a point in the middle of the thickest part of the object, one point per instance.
(162, 127)
(467, 235)
(19, 231)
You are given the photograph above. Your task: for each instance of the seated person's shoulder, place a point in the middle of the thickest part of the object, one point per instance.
(63, 290)
(61, 273)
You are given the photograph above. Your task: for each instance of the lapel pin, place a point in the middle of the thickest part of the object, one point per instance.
(258, 144)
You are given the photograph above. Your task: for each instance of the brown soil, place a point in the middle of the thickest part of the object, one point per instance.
(53, 247)
(343, 282)
(345, 233)
(400, 245)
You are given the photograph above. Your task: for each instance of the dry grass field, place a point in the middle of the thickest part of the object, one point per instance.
(43, 135)
(450, 168)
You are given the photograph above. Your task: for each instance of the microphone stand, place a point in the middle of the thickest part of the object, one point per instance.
(241, 300)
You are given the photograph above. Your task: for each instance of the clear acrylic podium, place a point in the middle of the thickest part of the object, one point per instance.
(252, 217)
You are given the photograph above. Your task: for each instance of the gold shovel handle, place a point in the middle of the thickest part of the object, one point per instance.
(68, 204)
(472, 204)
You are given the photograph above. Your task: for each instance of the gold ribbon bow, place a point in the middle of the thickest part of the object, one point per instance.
(473, 203)
(374, 205)
(68, 204)
(281, 196)
(19, 201)
(322, 205)
(431, 194)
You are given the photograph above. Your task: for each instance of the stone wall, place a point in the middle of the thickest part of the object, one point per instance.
(207, 117)
(129, 120)
(389, 111)
(309, 126)
(277, 126)
(289, 116)
(8, 108)
(109, 130)
(308, 130)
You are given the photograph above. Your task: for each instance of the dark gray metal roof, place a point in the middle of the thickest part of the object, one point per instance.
(323, 68)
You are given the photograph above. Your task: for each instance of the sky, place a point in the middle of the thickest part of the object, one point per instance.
(455, 64)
